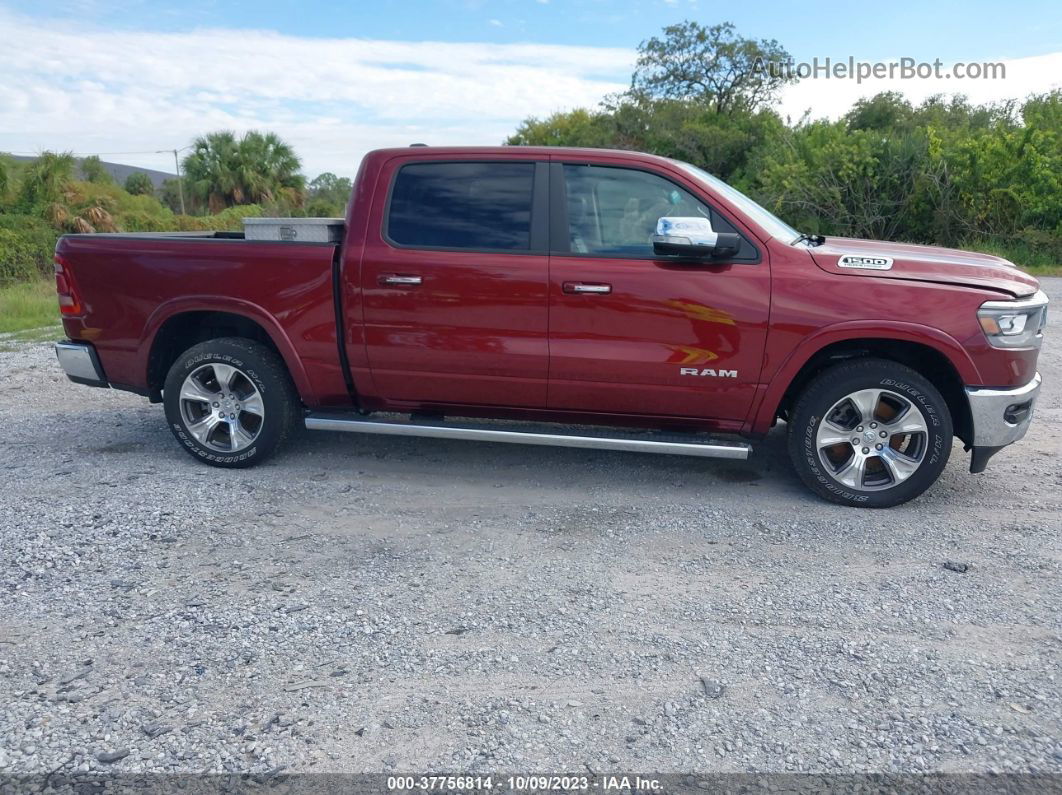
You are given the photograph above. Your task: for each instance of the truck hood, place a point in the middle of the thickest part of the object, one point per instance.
(841, 255)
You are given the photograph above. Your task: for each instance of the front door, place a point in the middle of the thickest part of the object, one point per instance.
(455, 287)
(634, 333)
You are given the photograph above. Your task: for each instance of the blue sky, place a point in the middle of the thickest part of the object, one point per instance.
(339, 78)
(948, 30)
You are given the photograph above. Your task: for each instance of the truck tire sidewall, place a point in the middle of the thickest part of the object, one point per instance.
(250, 362)
(829, 388)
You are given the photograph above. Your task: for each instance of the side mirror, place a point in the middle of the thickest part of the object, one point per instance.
(727, 244)
(693, 238)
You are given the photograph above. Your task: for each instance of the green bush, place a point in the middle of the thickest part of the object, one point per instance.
(1032, 249)
(230, 220)
(27, 245)
(139, 184)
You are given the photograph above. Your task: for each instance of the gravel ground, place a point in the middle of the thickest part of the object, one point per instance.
(376, 604)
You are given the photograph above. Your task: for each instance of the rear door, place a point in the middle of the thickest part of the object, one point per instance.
(634, 333)
(455, 283)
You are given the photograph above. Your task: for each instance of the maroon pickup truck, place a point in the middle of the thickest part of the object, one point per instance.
(581, 298)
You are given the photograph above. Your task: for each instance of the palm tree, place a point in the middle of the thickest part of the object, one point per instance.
(46, 182)
(211, 170)
(259, 167)
(48, 190)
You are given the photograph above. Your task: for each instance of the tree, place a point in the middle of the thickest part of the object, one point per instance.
(211, 170)
(5, 178)
(712, 65)
(139, 184)
(684, 130)
(888, 110)
(327, 195)
(579, 127)
(170, 193)
(857, 184)
(270, 169)
(94, 171)
(257, 168)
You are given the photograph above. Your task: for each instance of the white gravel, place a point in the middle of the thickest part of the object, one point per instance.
(374, 604)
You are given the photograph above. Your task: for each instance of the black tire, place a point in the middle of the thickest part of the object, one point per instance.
(824, 392)
(263, 370)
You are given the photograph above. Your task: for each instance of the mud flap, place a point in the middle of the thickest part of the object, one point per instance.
(979, 458)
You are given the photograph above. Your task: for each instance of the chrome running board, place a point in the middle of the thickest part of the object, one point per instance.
(636, 442)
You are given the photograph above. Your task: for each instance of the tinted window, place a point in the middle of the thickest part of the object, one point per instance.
(462, 205)
(615, 210)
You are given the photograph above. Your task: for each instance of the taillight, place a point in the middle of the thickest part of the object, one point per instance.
(69, 302)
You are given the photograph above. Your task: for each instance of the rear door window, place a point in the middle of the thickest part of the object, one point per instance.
(475, 206)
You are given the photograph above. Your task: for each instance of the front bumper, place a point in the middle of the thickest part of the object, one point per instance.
(1000, 417)
(80, 363)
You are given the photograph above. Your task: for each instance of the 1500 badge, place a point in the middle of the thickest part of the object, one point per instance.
(708, 371)
(865, 263)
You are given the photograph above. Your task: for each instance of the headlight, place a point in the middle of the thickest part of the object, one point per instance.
(1014, 324)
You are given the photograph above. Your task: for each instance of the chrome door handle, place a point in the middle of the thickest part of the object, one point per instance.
(394, 279)
(591, 289)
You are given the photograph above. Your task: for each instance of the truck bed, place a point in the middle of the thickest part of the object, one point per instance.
(132, 285)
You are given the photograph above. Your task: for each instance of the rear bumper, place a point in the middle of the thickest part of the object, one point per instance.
(1000, 417)
(80, 363)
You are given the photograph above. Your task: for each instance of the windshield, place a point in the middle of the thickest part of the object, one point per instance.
(771, 224)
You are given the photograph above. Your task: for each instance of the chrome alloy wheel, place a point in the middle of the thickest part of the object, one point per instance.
(872, 439)
(221, 407)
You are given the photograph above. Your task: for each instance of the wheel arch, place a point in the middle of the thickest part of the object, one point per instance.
(946, 366)
(175, 331)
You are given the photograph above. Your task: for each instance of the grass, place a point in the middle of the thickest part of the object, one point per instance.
(28, 310)
(1033, 259)
(1042, 270)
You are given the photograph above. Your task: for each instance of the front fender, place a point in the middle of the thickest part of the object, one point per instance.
(774, 389)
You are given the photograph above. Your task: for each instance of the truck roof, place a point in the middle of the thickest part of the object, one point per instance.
(542, 151)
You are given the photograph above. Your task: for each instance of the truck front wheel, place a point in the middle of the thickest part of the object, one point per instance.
(870, 433)
(230, 402)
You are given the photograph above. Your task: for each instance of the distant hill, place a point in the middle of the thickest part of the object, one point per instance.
(118, 171)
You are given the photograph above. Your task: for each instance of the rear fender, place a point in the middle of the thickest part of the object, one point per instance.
(232, 306)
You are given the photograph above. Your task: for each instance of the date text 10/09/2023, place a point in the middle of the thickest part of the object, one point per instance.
(523, 783)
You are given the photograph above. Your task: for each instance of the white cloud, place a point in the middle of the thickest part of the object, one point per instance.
(88, 90)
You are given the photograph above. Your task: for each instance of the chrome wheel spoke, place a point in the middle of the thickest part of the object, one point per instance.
(224, 374)
(851, 474)
(899, 466)
(191, 389)
(827, 437)
(239, 436)
(203, 429)
(910, 422)
(866, 403)
(253, 404)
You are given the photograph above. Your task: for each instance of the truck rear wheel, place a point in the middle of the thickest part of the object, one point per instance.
(230, 402)
(870, 433)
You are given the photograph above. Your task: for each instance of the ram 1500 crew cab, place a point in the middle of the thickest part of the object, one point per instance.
(564, 286)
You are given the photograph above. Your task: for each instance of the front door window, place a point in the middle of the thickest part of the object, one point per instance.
(615, 211)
